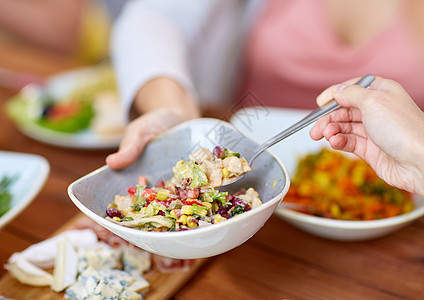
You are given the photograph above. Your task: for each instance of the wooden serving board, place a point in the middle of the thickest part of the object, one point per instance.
(162, 285)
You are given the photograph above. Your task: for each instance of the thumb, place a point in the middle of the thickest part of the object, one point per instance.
(350, 96)
(328, 94)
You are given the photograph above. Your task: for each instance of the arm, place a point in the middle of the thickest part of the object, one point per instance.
(49, 23)
(163, 103)
(153, 38)
(150, 51)
(381, 125)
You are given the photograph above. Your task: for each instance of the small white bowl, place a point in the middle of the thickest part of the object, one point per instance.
(342, 230)
(93, 192)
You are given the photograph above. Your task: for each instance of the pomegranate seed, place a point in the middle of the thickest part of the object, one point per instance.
(132, 191)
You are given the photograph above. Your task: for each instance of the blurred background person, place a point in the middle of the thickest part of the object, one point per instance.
(79, 28)
(173, 56)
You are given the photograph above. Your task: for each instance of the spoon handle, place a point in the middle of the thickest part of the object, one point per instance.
(311, 117)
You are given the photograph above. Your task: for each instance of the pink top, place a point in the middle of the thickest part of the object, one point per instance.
(290, 62)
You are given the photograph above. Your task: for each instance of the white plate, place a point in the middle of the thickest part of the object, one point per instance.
(59, 86)
(31, 172)
(262, 123)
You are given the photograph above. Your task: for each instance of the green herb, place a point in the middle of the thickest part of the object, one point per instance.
(137, 207)
(172, 228)
(237, 210)
(228, 153)
(126, 219)
(5, 196)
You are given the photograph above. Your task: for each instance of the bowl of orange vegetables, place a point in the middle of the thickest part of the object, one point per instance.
(340, 197)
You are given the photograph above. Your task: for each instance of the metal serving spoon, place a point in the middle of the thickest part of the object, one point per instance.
(311, 117)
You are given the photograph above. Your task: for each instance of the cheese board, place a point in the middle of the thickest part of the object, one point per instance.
(163, 284)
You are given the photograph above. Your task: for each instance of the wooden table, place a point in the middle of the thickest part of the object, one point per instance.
(279, 262)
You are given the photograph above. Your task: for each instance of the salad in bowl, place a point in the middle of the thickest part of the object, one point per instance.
(189, 199)
(94, 192)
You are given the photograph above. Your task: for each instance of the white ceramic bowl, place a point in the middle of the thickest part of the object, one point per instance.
(351, 230)
(93, 192)
(261, 123)
(31, 172)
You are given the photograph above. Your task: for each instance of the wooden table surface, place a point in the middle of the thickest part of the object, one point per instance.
(279, 262)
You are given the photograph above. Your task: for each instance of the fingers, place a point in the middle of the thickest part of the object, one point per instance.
(123, 158)
(316, 132)
(348, 94)
(129, 150)
(139, 133)
(341, 115)
(132, 144)
(332, 129)
(323, 129)
(349, 143)
(344, 115)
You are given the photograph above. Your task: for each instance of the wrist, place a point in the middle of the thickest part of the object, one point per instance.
(166, 93)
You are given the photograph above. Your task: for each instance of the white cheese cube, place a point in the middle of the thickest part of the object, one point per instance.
(65, 267)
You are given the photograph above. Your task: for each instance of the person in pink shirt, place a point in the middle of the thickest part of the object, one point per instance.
(174, 58)
(298, 48)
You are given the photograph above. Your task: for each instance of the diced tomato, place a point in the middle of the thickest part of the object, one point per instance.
(63, 110)
(160, 184)
(192, 201)
(192, 194)
(142, 180)
(149, 194)
(132, 190)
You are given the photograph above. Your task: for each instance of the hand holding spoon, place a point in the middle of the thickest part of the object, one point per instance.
(310, 118)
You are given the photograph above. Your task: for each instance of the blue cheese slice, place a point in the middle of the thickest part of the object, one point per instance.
(102, 284)
(65, 267)
(100, 256)
(140, 284)
(84, 286)
(134, 258)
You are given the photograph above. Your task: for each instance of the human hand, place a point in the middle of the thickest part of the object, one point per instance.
(139, 133)
(165, 104)
(381, 125)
